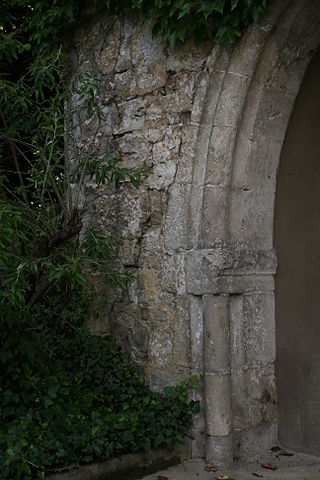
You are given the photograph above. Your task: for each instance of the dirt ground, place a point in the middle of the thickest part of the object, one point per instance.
(282, 465)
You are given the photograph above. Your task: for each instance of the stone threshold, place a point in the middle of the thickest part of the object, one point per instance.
(127, 467)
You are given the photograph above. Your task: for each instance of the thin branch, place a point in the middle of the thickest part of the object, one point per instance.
(17, 140)
(15, 159)
(48, 192)
(54, 184)
(46, 174)
(67, 111)
(22, 152)
(17, 198)
(46, 248)
(38, 294)
(73, 230)
(51, 199)
(13, 171)
(30, 463)
(68, 183)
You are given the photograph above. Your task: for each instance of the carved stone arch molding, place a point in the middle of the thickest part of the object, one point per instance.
(231, 263)
(199, 231)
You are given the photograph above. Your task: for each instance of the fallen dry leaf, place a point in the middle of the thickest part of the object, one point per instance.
(211, 468)
(284, 453)
(275, 448)
(162, 477)
(257, 474)
(224, 477)
(269, 466)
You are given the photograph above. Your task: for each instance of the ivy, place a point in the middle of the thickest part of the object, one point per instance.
(178, 20)
(42, 25)
(69, 398)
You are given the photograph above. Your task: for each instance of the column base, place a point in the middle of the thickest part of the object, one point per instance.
(219, 450)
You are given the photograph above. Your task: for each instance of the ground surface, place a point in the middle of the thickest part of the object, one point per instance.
(296, 467)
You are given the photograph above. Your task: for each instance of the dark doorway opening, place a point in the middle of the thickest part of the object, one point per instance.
(297, 240)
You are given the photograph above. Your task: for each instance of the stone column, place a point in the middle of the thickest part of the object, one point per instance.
(252, 340)
(217, 379)
(197, 364)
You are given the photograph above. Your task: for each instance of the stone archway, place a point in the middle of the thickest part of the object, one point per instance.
(297, 234)
(231, 264)
(199, 232)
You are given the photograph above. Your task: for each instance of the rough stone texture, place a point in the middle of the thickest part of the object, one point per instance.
(199, 232)
(147, 94)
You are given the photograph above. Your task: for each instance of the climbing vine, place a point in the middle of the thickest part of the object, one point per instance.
(51, 417)
(70, 398)
(178, 20)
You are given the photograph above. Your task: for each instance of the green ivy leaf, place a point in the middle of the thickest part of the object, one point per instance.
(234, 4)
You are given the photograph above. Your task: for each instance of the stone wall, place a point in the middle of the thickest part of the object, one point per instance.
(150, 98)
(199, 232)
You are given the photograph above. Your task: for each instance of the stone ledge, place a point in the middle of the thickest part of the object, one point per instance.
(229, 271)
(128, 467)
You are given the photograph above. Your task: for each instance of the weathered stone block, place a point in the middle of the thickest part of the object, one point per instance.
(163, 174)
(214, 215)
(219, 450)
(187, 56)
(106, 56)
(250, 443)
(176, 220)
(217, 388)
(237, 343)
(189, 135)
(196, 334)
(202, 269)
(159, 377)
(179, 92)
(160, 347)
(246, 53)
(150, 77)
(231, 100)
(134, 148)
(132, 116)
(158, 203)
(150, 282)
(259, 327)
(258, 162)
(240, 399)
(179, 309)
(251, 227)
(219, 158)
(147, 58)
(274, 113)
(174, 274)
(236, 284)
(261, 395)
(216, 333)
(253, 262)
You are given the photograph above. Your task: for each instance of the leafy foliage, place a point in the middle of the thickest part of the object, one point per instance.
(39, 238)
(66, 397)
(40, 206)
(70, 398)
(177, 20)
